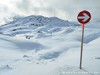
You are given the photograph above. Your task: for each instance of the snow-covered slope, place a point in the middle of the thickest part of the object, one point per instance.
(35, 24)
(53, 47)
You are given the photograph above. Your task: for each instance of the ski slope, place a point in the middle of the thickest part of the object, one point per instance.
(50, 49)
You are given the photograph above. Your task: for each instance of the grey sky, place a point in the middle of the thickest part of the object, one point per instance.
(65, 9)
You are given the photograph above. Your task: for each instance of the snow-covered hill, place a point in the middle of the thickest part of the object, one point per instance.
(52, 47)
(36, 25)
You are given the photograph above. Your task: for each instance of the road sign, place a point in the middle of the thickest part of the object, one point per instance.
(83, 17)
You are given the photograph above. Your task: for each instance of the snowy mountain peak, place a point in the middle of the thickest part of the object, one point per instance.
(35, 24)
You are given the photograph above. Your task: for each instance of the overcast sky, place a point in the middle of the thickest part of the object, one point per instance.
(64, 9)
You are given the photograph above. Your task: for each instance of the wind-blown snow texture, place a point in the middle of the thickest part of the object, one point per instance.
(37, 45)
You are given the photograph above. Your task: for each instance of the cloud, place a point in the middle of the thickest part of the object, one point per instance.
(65, 9)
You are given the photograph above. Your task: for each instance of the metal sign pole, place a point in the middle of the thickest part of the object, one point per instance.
(81, 54)
(83, 17)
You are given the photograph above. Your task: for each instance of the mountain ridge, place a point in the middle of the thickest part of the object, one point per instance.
(33, 24)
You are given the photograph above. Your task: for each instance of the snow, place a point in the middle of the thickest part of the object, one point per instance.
(51, 49)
